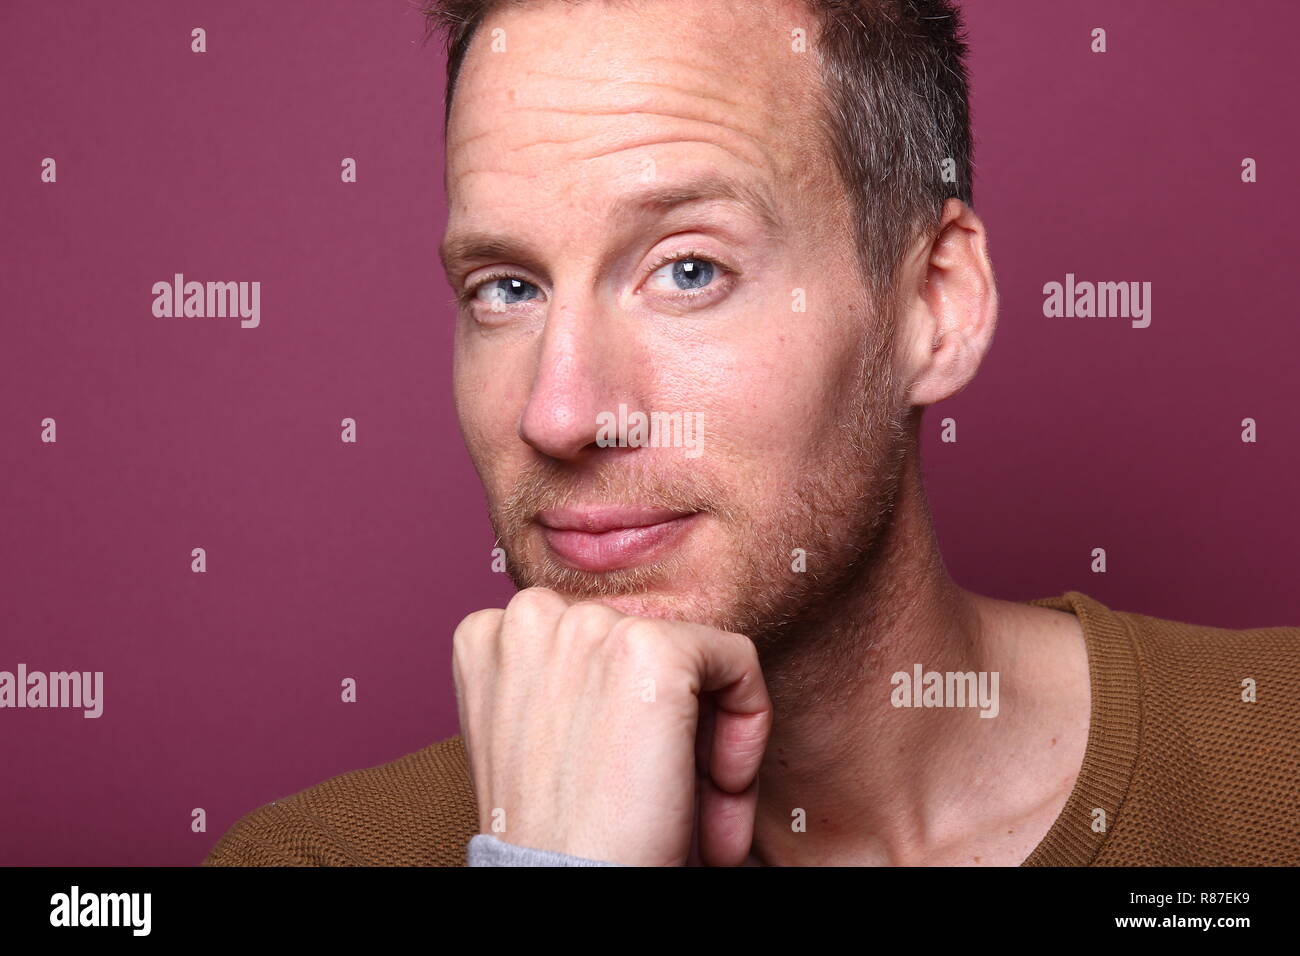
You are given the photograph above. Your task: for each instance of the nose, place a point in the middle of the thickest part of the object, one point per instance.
(578, 375)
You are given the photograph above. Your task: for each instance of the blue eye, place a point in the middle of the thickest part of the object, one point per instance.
(685, 274)
(504, 291)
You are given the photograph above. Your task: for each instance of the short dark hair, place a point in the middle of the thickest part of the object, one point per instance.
(897, 112)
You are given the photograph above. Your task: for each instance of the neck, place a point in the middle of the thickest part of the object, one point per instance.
(878, 783)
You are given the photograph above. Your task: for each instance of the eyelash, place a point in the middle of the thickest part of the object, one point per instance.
(469, 295)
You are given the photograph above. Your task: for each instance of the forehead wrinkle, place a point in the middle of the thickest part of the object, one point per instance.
(616, 111)
(707, 188)
(651, 84)
(661, 140)
(760, 145)
(671, 141)
(458, 179)
(580, 139)
(599, 90)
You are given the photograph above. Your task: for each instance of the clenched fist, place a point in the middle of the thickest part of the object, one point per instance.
(617, 738)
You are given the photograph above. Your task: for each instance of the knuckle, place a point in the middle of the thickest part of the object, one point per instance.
(586, 621)
(636, 638)
(536, 601)
(475, 627)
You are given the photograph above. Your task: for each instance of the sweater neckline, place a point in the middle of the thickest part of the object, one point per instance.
(1114, 733)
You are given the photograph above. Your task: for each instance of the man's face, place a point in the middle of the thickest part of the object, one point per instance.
(642, 213)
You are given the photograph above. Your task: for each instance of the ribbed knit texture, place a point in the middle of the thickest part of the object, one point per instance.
(1186, 772)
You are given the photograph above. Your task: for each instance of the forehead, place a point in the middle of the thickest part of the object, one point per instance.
(596, 93)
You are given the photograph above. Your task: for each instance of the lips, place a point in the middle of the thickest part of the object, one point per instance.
(607, 538)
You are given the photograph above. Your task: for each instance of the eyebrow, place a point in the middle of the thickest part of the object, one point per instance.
(457, 250)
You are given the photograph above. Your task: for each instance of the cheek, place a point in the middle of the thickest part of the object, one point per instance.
(780, 404)
(485, 406)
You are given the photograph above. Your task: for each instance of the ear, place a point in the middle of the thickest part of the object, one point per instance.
(949, 309)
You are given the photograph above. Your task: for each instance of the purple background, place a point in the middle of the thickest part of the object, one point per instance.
(328, 560)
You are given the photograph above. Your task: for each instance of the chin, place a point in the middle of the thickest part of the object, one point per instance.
(692, 607)
(644, 605)
(681, 587)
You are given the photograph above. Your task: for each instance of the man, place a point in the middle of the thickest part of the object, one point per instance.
(750, 224)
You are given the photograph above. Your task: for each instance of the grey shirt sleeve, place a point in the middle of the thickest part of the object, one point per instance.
(487, 850)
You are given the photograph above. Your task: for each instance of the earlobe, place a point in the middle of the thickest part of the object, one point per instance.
(954, 311)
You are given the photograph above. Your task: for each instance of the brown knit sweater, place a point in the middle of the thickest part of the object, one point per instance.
(1188, 773)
